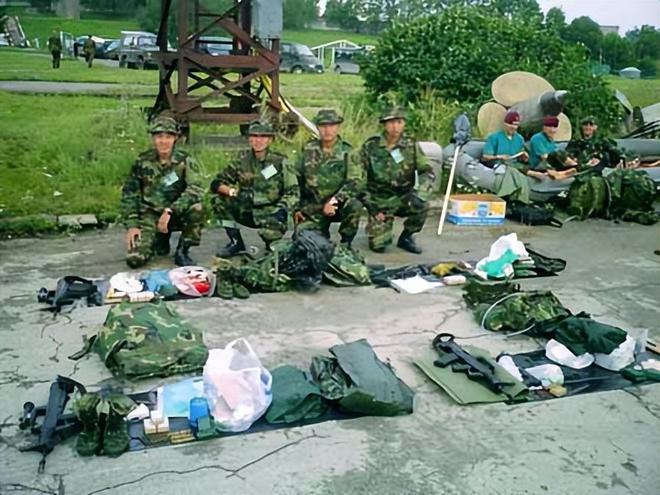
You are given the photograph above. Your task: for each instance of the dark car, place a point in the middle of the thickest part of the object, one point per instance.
(297, 58)
(100, 44)
(215, 45)
(112, 50)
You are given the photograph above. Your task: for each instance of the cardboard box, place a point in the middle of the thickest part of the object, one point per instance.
(476, 209)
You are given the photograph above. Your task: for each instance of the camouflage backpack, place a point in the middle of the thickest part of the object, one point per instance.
(589, 196)
(633, 194)
(140, 340)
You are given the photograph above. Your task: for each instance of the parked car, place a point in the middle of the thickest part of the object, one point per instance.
(112, 50)
(347, 60)
(100, 44)
(297, 58)
(215, 45)
(136, 49)
(3, 40)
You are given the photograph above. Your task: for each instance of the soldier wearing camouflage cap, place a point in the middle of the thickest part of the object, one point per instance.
(591, 149)
(163, 194)
(257, 189)
(330, 179)
(391, 162)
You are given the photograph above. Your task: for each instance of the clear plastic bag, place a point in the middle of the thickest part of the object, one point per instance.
(237, 386)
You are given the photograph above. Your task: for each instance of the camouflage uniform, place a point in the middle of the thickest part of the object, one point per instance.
(152, 187)
(325, 175)
(265, 187)
(584, 149)
(390, 187)
(55, 48)
(89, 50)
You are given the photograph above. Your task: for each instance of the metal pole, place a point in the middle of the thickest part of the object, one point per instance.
(445, 203)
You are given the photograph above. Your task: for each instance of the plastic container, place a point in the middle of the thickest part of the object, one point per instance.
(199, 408)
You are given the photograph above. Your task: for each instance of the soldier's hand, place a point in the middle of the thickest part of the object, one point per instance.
(380, 216)
(524, 156)
(225, 190)
(133, 237)
(164, 221)
(330, 207)
(594, 161)
(298, 217)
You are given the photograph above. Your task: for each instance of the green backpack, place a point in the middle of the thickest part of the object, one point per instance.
(347, 268)
(633, 194)
(589, 196)
(140, 340)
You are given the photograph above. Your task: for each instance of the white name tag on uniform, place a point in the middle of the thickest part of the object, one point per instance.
(170, 178)
(269, 171)
(396, 155)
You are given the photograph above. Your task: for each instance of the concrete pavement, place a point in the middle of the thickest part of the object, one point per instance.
(605, 443)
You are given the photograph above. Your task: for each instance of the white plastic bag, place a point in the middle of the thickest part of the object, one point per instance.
(560, 354)
(499, 262)
(236, 385)
(619, 358)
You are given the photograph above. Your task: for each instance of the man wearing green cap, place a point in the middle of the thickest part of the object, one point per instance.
(257, 189)
(162, 194)
(393, 164)
(329, 179)
(592, 149)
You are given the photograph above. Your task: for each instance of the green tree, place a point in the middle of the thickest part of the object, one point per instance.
(342, 13)
(299, 14)
(459, 52)
(555, 21)
(587, 32)
(617, 51)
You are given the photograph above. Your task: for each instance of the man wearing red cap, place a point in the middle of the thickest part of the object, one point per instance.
(505, 145)
(543, 150)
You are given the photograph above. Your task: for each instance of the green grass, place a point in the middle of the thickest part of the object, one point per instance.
(640, 92)
(41, 26)
(16, 64)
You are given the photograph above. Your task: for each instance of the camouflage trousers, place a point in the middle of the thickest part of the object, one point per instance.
(348, 216)
(380, 231)
(232, 213)
(189, 222)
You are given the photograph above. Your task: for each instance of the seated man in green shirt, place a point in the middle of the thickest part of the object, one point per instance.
(544, 155)
(505, 146)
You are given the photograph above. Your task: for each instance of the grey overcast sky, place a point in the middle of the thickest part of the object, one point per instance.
(627, 14)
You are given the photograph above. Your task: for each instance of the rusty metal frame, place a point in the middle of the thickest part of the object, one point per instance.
(229, 76)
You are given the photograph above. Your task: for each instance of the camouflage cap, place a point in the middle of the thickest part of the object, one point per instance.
(260, 128)
(328, 116)
(164, 124)
(589, 119)
(391, 113)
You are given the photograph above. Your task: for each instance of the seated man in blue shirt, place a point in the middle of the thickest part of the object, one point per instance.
(506, 145)
(544, 155)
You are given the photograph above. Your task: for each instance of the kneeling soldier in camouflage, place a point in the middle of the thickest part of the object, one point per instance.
(162, 195)
(258, 189)
(392, 163)
(330, 179)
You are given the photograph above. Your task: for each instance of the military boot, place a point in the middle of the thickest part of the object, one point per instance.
(346, 241)
(162, 244)
(181, 256)
(235, 245)
(224, 285)
(407, 243)
(115, 435)
(85, 410)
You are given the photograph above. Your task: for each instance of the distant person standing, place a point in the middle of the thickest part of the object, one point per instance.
(55, 48)
(89, 50)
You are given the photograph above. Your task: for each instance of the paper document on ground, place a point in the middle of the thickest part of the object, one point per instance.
(414, 285)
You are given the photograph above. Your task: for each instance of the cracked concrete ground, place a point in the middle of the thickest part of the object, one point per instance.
(604, 443)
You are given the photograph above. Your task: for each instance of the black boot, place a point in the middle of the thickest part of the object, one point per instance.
(407, 243)
(346, 241)
(235, 245)
(162, 244)
(181, 256)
